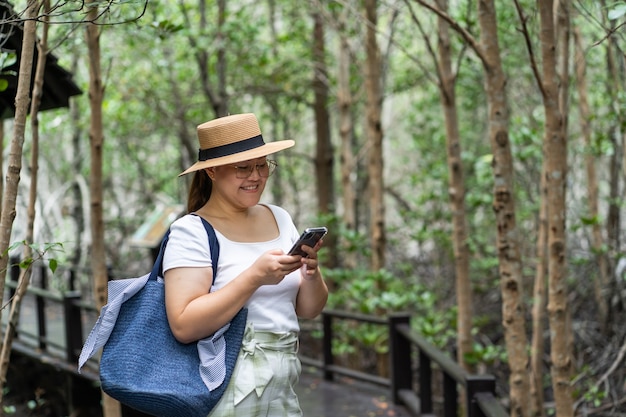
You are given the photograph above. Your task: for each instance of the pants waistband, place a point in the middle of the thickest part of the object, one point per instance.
(283, 342)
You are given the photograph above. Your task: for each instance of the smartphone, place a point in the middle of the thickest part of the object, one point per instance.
(309, 237)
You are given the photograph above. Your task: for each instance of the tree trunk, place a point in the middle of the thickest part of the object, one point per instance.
(615, 87)
(509, 259)
(324, 159)
(221, 107)
(346, 130)
(110, 407)
(216, 96)
(375, 138)
(25, 274)
(78, 213)
(539, 305)
(1, 163)
(456, 192)
(601, 281)
(556, 174)
(9, 198)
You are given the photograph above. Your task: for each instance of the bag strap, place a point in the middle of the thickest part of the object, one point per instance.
(214, 245)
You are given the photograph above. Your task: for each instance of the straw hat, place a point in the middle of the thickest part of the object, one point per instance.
(231, 139)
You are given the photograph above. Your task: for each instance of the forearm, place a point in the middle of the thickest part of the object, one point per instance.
(312, 295)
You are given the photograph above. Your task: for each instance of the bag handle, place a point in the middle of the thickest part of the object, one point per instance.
(214, 245)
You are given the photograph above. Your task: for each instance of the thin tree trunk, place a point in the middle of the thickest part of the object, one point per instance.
(556, 157)
(110, 407)
(78, 213)
(324, 159)
(510, 266)
(22, 101)
(25, 273)
(539, 305)
(375, 138)
(1, 163)
(600, 283)
(456, 192)
(346, 129)
(615, 87)
(222, 104)
(96, 139)
(279, 183)
(216, 96)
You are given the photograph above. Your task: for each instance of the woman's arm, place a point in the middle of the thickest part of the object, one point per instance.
(313, 292)
(195, 313)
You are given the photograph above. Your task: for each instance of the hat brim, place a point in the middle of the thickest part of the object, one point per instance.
(264, 150)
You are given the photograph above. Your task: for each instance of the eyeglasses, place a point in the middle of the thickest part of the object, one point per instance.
(265, 169)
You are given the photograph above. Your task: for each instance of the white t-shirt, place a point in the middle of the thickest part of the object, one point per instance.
(271, 307)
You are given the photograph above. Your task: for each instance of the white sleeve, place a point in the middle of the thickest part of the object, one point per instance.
(188, 244)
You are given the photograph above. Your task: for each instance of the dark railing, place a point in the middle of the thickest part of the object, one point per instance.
(75, 314)
(410, 382)
(479, 390)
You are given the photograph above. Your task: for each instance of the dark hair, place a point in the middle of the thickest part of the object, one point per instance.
(200, 191)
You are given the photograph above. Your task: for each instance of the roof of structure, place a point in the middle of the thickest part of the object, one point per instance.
(58, 84)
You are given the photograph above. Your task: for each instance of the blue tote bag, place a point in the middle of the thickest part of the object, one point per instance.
(142, 363)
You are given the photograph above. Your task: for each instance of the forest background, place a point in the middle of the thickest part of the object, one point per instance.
(467, 157)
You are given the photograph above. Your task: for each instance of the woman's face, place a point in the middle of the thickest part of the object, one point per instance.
(242, 182)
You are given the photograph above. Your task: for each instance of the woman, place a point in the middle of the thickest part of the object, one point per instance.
(253, 269)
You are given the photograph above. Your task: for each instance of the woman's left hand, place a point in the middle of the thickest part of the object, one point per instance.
(310, 262)
(313, 292)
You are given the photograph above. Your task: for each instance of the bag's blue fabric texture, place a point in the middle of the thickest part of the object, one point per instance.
(146, 368)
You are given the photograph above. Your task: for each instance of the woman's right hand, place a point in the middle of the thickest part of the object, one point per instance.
(271, 267)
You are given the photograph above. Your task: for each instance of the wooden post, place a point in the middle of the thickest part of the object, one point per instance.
(327, 346)
(425, 388)
(399, 356)
(476, 384)
(40, 303)
(450, 398)
(15, 273)
(73, 326)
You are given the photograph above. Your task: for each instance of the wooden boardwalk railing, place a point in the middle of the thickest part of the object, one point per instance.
(411, 381)
(413, 360)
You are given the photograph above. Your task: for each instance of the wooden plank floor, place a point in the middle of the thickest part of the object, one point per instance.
(344, 398)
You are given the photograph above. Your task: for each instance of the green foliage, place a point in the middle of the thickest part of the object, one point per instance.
(592, 393)
(380, 293)
(486, 354)
(40, 251)
(9, 409)
(166, 27)
(6, 60)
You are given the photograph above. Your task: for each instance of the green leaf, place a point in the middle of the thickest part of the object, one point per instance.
(589, 221)
(52, 263)
(26, 263)
(618, 11)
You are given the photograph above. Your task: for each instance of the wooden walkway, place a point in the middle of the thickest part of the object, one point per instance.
(344, 398)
